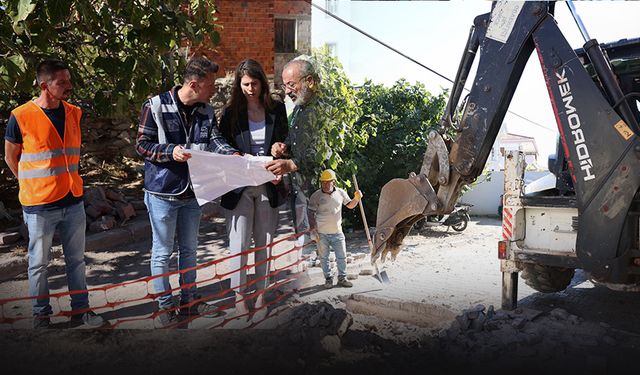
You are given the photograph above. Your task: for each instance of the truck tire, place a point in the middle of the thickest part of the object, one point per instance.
(547, 279)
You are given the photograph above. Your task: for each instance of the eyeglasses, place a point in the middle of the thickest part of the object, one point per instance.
(292, 85)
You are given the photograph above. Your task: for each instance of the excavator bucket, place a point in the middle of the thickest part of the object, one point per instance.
(399, 207)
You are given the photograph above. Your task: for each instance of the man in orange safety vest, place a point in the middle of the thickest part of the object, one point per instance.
(42, 149)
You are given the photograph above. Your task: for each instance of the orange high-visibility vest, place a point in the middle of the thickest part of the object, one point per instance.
(48, 166)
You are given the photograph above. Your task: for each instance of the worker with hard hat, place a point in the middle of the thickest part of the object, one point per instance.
(326, 205)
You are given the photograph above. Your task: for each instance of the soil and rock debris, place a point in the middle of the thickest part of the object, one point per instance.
(427, 321)
(319, 337)
(436, 317)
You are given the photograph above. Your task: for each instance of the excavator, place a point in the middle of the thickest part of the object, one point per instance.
(595, 202)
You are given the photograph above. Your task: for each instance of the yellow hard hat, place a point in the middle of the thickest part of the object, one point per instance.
(327, 175)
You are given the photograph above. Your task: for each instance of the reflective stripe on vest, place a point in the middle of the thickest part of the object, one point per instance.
(48, 172)
(37, 156)
(48, 165)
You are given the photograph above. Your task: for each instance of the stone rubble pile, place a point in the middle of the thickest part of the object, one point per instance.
(104, 208)
(482, 334)
(108, 138)
(318, 327)
(107, 208)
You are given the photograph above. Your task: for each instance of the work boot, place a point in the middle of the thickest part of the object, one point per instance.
(202, 309)
(328, 283)
(41, 321)
(89, 318)
(343, 282)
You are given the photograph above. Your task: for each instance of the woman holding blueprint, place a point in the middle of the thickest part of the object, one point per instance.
(252, 122)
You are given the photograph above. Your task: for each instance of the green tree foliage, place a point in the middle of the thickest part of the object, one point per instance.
(119, 51)
(376, 132)
(397, 120)
(340, 110)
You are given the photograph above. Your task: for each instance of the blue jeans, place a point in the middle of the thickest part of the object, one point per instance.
(71, 224)
(335, 242)
(168, 218)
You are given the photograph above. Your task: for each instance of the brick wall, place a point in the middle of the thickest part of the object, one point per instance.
(294, 7)
(248, 32)
(249, 28)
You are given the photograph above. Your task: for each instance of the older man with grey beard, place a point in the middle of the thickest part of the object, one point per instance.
(297, 155)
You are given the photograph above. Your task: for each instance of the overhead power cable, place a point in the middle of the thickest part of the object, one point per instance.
(378, 41)
(408, 57)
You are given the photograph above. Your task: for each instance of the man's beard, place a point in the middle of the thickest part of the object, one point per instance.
(303, 97)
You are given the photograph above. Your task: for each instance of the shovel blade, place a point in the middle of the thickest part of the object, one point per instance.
(382, 277)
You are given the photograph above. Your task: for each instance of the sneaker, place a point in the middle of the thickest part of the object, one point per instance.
(344, 283)
(328, 283)
(201, 308)
(41, 322)
(89, 318)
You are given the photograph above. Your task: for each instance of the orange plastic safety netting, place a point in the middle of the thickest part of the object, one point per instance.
(131, 304)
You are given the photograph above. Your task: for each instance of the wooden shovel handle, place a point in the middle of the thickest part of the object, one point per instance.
(364, 218)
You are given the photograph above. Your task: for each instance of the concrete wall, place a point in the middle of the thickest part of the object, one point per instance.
(485, 195)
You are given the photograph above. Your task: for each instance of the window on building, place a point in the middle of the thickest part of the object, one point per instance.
(285, 36)
(330, 6)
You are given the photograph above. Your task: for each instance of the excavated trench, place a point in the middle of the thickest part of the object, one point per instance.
(424, 315)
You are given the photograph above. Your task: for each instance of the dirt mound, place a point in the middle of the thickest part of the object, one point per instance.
(316, 338)
(535, 341)
(312, 334)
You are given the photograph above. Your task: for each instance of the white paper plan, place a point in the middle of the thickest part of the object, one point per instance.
(213, 174)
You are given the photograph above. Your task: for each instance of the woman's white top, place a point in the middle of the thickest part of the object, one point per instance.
(258, 134)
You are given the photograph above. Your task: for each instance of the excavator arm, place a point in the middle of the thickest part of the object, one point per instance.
(598, 131)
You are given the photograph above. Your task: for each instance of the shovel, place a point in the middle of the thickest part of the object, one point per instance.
(381, 276)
